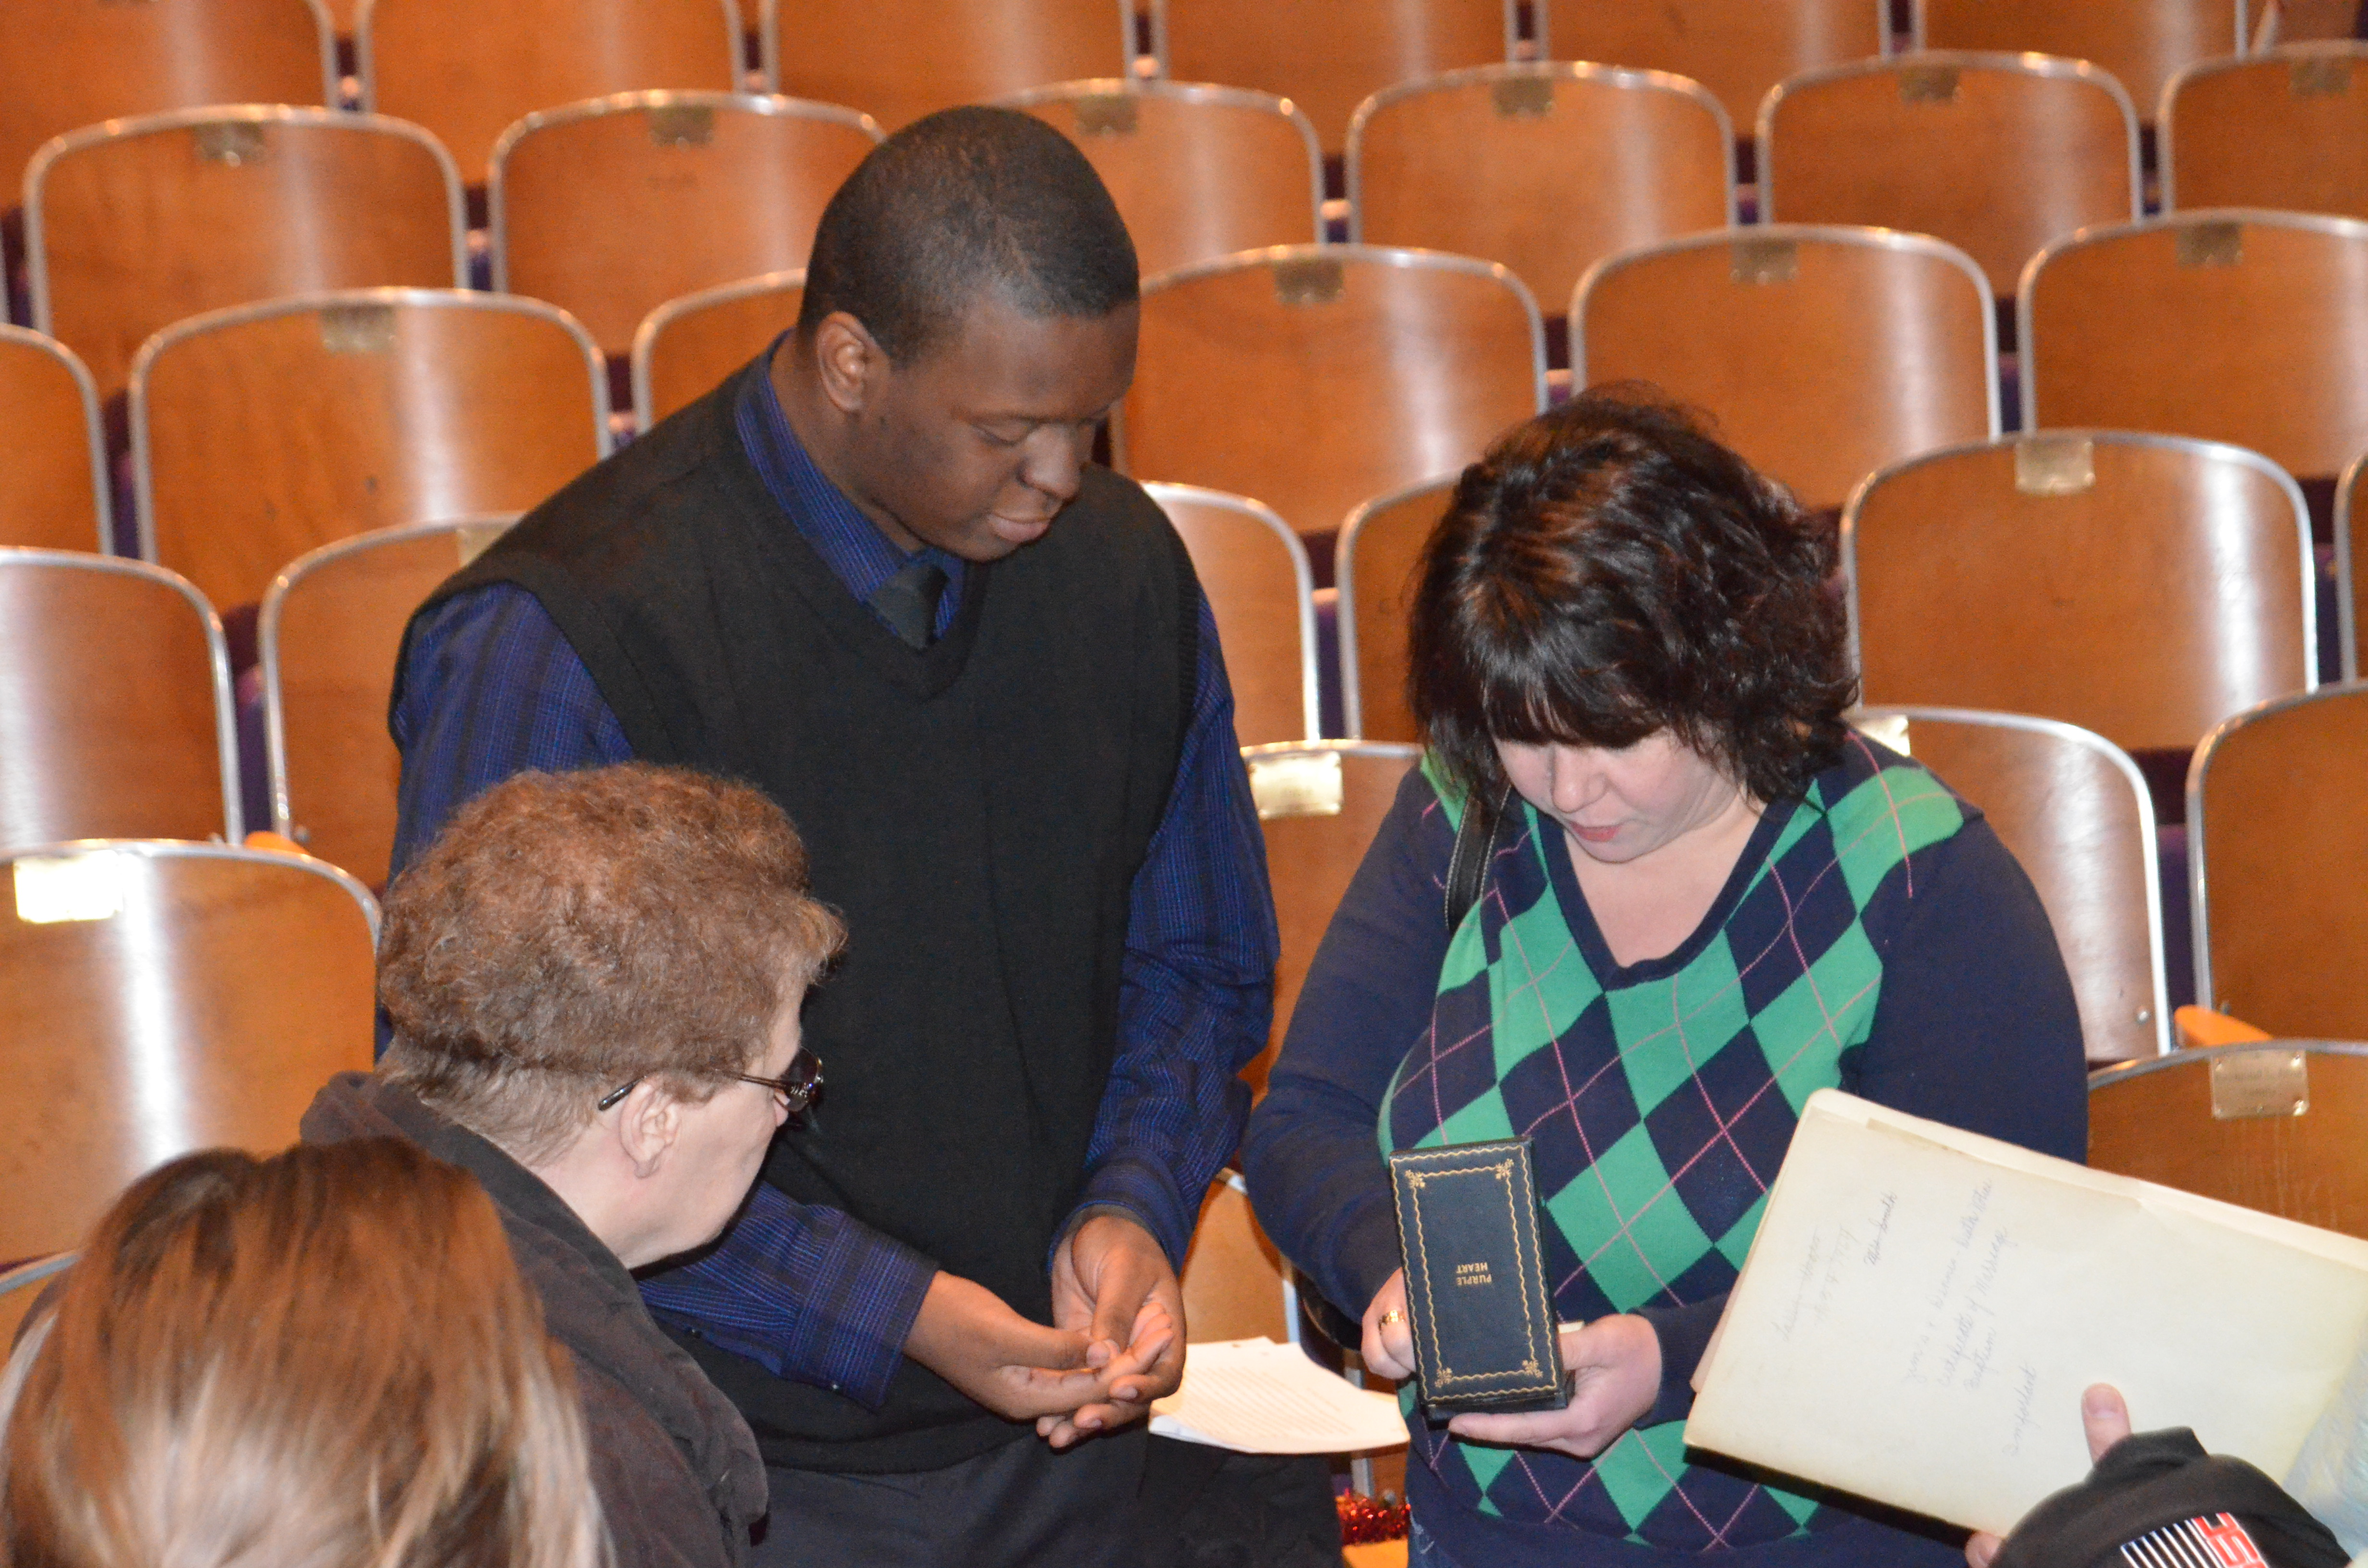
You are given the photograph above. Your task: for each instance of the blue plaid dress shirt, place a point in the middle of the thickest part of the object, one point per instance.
(491, 688)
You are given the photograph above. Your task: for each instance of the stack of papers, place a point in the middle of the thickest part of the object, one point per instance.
(1257, 1397)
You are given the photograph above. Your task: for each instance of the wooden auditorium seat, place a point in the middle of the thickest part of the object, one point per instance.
(686, 346)
(2244, 326)
(115, 704)
(1320, 803)
(2141, 45)
(1823, 353)
(2276, 1126)
(1197, 171)
(2277, 827)
(1314, 377)
(1328, 59)
(263, 432)
(2142, 586)
(161, 997)
(1547, 168)
(1996, 153)
(138, 223)
(1254, 573)
(1374, 562)
(2073, 809)
(1232, 1280)
(1737, 48)
(611, 208)
(2287, 129)
(53, 486)
(467, 72)
(69, 63)
(898, 60)
(330, 633)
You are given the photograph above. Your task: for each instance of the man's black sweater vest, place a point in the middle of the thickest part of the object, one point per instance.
(976, 810)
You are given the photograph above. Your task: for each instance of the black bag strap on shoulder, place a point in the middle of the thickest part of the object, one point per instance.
(1467, 868)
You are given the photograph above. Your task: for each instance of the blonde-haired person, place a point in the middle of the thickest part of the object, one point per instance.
(323, 1360)
(594, 980)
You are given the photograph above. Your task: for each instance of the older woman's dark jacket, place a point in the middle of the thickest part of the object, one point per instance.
(679, 1480)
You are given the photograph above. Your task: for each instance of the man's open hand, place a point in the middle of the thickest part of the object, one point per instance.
(1019, 1369)
(1112, 1283)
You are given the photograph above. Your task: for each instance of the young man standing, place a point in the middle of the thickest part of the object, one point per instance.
(874, 574)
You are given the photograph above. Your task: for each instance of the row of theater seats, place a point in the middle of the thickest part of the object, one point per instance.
(2143, 590)
(1545, 168)
(467, 71)
(1312, 379)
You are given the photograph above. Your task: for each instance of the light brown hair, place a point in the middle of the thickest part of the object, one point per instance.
(570, 932)
(323, 1360)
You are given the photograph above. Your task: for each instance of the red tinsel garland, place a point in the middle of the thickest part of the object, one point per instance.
(1366, 1519)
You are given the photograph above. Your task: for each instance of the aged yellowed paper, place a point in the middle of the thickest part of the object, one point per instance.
(1922, 1307)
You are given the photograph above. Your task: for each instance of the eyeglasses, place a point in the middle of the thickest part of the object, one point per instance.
(796, 1089)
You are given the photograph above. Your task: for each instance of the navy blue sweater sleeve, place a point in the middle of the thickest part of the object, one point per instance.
(1312, 1156)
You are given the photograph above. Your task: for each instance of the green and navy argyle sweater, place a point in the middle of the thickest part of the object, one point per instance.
(1661, 1099)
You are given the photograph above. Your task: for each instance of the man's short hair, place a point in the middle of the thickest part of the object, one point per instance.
(570, 932)
(951, 206)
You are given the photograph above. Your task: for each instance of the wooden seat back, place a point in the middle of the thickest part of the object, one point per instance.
(1547, 168)
(1977, 581)
(222, 990)
(265, 432)
(1823, 353)
(2287, 129)
(1232, 1278)
(1316, 377)
(135, 224)
(2249, 327)
(2157, 1121)
(1328, 59)
(1374, 566)
(685, 347)
(1998, 155)
(1197, 171)
(2073, 809)
(1254, 573)
(1737, 48)
(898, 60)
(467, 73)
(330, 635)
(609, 209)
(1320, 803)
(2142, 46)
(114, 703)
(2277, 830)
(76, 62)
(53, 488)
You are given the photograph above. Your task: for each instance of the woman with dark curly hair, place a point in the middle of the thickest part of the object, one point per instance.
(1700, 897)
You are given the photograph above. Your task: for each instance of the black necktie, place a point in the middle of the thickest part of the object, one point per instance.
(908, 601)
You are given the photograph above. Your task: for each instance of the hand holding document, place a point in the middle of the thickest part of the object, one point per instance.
(1257, 1397)
(1922, 1307)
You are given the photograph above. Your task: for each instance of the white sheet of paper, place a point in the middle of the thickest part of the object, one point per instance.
(1922, 1307)
(1257, 1397)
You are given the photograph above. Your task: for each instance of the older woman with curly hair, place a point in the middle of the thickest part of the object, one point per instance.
(1699, 897)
